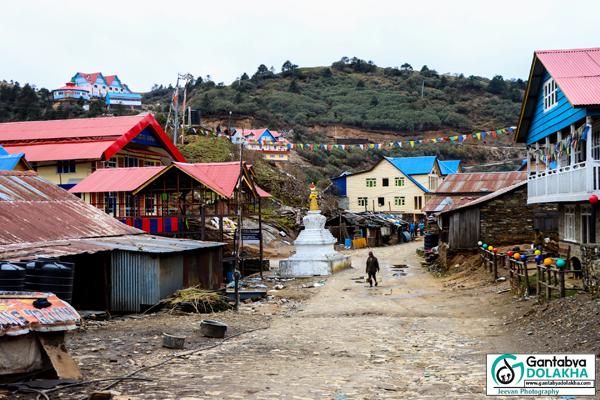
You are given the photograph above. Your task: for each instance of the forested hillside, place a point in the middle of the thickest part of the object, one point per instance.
(357, 93)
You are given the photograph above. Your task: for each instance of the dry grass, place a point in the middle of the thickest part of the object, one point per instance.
(196, 299)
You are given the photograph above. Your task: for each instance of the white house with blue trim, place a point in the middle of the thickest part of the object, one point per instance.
(96, 85)
(560, 124)
(395, 184)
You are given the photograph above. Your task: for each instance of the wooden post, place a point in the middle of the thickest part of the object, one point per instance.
(538, 285)
(561, 283)
(203, 222)
(260, 240)
(589, 165)
(548, 284)
(495, 266)
(526, 273)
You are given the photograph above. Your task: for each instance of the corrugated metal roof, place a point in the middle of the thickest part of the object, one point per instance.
(150, 244)
(413, 165)
(116, 179)
(479, 182)
(62, 151)
(440, 203)
(82, 138)
(9, 162)
(135, 243)
(35, 210)
(449, 166)
(220, 177)
(577, 73)
(489, 197)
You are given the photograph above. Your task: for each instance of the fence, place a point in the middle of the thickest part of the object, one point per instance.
(491, 260)
(519, 276)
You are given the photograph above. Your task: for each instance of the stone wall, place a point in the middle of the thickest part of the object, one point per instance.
(590, 265)
(507, 219)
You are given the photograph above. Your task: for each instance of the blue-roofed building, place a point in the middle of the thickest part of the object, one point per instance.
(450, 167)
(560, 124)
(13, 162)
(394, 184)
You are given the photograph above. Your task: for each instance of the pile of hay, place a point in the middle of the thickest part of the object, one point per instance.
(196, 299)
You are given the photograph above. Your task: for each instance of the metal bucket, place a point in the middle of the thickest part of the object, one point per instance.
(213, 329)
(172, 341)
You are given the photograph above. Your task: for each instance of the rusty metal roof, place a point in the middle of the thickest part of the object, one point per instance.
(136, 243)
(489, 196)
(35, 210)
(479, 183)
(441, 203)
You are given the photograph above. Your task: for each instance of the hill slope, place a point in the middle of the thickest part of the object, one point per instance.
(358, 94)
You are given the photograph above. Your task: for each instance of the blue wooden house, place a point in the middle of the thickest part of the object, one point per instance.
(560, 124)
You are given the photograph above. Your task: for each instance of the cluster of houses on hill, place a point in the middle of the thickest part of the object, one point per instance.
(271, 144)
(85, 87)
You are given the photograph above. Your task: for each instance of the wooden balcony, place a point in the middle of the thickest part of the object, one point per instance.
(569, 183)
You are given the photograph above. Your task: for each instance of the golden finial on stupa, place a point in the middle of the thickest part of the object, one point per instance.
(313, 198)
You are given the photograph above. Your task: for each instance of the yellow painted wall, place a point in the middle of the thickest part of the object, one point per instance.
(82, 169)
(276, 156)
(356, 187)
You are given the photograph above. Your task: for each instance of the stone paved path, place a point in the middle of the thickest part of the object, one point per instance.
(406, 339)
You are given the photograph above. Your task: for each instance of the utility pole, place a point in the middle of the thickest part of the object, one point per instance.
(176, 111)
(240, 222)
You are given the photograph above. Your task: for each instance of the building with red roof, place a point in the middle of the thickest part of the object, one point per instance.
(271, 144)
(560, 124)
(86, 86)
(67, 151)
(164, 199)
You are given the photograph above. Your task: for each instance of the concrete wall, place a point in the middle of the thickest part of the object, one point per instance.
(356, 187)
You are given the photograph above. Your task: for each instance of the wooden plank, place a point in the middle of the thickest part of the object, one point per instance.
(64, 365)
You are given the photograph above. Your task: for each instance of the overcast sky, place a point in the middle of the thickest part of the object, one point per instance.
(147, 42)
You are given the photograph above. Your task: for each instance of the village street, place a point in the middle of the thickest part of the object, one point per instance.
(408, 338)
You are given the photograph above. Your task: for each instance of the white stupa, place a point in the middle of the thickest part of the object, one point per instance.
(315, 253)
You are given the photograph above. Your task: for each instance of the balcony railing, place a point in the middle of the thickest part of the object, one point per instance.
(569, 183)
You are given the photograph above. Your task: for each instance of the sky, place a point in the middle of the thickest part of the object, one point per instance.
(148, 42)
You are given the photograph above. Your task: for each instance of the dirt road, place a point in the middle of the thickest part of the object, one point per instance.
(407, 338)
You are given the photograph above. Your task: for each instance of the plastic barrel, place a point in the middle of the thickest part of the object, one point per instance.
(51, 276)
(431, 240)
(12, 277)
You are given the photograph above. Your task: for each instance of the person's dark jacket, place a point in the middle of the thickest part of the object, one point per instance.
(372, 265)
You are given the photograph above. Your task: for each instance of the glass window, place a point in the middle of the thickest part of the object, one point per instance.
(111, 163)
(569, 221)
(385, 182)
(399, 181)
(587, 225)
(131, 161)
(550, 94)
(110, 203)
(128, 205)
(362, 201)
(371, 182)
(66, 167)
(418, 202)
(149, 204)
(399, 201)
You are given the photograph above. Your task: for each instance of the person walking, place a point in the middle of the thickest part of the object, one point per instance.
(411, 227)
(372, 269)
